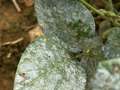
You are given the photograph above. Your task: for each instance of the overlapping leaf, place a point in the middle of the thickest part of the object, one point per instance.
(47, 64)
(67, 19)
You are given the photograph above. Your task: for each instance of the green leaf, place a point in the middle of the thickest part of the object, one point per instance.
(112, 47)
(46, 65)
(67, 19)
(107, 76)
(90, 57)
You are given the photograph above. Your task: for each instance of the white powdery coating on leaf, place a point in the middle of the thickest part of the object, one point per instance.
(106, 77)
(48, 67)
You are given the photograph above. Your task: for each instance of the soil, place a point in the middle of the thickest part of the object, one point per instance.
(15, 28)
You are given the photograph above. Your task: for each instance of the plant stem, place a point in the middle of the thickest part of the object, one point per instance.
(111, 5)
(91, 7)
(101, 12)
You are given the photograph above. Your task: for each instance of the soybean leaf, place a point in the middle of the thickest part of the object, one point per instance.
(112, 47)
(46, 65)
